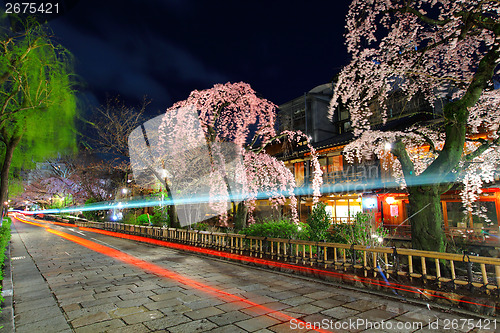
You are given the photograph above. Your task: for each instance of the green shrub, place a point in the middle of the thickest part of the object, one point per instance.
(4, 241)
(143, 219)
(129, 218)
(339, 232)
(93, 215)
(283, 228)
(361, 232)
(319, 222)
(200, 226)
(159, 219)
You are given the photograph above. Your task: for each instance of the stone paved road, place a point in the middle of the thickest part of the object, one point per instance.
(61, 286)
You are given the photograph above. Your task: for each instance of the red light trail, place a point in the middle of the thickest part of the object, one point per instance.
(237, 257)
(264, 262)
(163, 272)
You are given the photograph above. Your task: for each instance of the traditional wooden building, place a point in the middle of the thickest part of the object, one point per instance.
(350, 188)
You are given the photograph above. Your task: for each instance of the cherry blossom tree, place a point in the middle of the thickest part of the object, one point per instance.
(232, 115)
(94, 180)
(111, 127)
(446, 51)
(42, 191)
(78, 178)
(52, 184)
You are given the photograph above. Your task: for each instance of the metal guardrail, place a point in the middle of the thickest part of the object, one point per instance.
(446, 271)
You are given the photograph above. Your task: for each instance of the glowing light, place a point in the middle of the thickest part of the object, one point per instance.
(391, 285)
(390, 200)
(160, 271)
(331, 189)
(369, 203)
(125, 190)
(164, 173)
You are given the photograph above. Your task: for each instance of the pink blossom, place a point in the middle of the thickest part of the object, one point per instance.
(232, 113)
(431, 48)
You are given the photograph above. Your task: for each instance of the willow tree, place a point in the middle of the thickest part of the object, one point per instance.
(444, 50)
(37, 102)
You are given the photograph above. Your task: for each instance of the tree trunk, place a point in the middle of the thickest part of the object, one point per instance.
(4, 173)
(172, 211)
(426, 218)
(240, 216)
(174, 220)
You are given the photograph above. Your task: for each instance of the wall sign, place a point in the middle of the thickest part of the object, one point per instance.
(394, 210)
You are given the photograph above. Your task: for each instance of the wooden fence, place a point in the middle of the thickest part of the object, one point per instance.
(457, 273)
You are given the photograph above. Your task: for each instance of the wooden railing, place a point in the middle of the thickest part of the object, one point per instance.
(476, 235)
(445, 271)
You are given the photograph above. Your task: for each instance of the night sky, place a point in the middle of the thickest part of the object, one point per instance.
(166, 48)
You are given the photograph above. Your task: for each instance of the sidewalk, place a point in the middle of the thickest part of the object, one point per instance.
(36, 309)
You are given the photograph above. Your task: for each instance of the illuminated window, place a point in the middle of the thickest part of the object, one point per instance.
(344, 210)
(335, 163)
(299, 173)
(323, 164)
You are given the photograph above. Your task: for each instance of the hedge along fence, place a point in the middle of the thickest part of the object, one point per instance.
(466, 281)
(4, 242)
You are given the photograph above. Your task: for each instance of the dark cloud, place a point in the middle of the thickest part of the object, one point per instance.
(165, 49)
